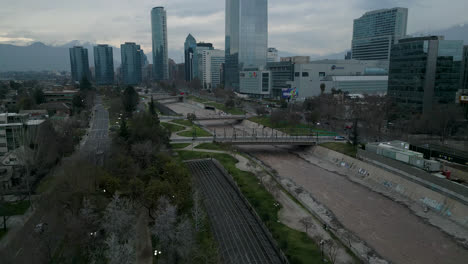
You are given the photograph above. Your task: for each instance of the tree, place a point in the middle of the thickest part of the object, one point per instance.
(78, 102)
(307, 222)
(39, 96)
(191, 117)
(261, 110)
(123, 131)
(229, 103)
(130, 100)
(322, 88)
(152, 107)
(25, 102)
(331, 249)
(312, 117)
(198, 214)
(85, 85)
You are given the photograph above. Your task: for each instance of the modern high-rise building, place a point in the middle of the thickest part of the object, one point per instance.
(425, 71)
(197, 59)
(465, 71)
(104, 64)
(160, 48)
(211, 67)
(272, 55)
(246, 38)
(375, 32)
(189, 48)
(79, 63)
(131, 63)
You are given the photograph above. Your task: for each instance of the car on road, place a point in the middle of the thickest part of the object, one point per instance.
(340, 138)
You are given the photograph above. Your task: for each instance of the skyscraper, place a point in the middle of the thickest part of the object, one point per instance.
(375, 32)
(104, 64)
(246, 38)
(131, 63)
(465, 69)
(159, 32)
(211, 67)
(425, 71)
(189, 49)
(79, 64)
(197, 69)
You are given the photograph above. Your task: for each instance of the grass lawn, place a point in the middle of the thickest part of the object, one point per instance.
(173, 128)
(345, 148)
(14, 208)
(299, 130)
(297, 246)
(180, 145)
(199, 132)
(183, 122)
(2, 233)
(222, 107)
(213, 146)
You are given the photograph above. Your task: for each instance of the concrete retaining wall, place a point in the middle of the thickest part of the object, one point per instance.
(379, 178)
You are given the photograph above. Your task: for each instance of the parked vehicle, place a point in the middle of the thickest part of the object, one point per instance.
(340, 138)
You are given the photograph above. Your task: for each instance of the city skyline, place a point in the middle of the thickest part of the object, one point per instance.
(302, 33)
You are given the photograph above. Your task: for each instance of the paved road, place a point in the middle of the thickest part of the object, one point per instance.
(26, 246)
(97, 141)
(390, 228)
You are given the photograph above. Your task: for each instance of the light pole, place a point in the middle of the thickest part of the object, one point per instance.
(322, 242)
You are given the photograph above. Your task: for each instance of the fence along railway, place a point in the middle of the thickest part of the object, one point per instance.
(241, 235)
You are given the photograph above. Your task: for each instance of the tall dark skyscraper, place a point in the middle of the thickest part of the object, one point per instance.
(246, 38)
(104, 64)
(79, 64)
(375, 32)
(465, 71)
(160, 48)
(425, 71)
(131, 63)
(189, 49)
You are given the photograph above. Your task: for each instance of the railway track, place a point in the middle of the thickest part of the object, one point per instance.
(240, 236)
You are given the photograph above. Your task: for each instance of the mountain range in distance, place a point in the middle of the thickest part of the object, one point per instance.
(41, 57)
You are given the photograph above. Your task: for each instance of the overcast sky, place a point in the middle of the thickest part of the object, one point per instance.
(309, 27)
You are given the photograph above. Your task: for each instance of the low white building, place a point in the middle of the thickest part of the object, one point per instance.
(308, 78)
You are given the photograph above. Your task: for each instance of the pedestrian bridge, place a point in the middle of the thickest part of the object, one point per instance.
(207, 118)
(259, 140)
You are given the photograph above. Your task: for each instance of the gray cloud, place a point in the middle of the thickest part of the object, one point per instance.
(298, 26)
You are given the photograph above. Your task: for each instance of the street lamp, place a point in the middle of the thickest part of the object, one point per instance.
(322, 242)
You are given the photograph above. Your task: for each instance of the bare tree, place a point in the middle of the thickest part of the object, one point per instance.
(307, 222)
(198, 214)
(184, 239)
(331, 249)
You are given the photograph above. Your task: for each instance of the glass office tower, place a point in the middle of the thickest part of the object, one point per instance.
(104, 64)
(465, 72)
(425, 71)
(79, 64)
(131, 63)
(197, 71)
(375, 32)
(160, 48)
(189, 49)
(246, 38)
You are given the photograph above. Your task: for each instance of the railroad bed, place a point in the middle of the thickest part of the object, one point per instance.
(238, 232)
